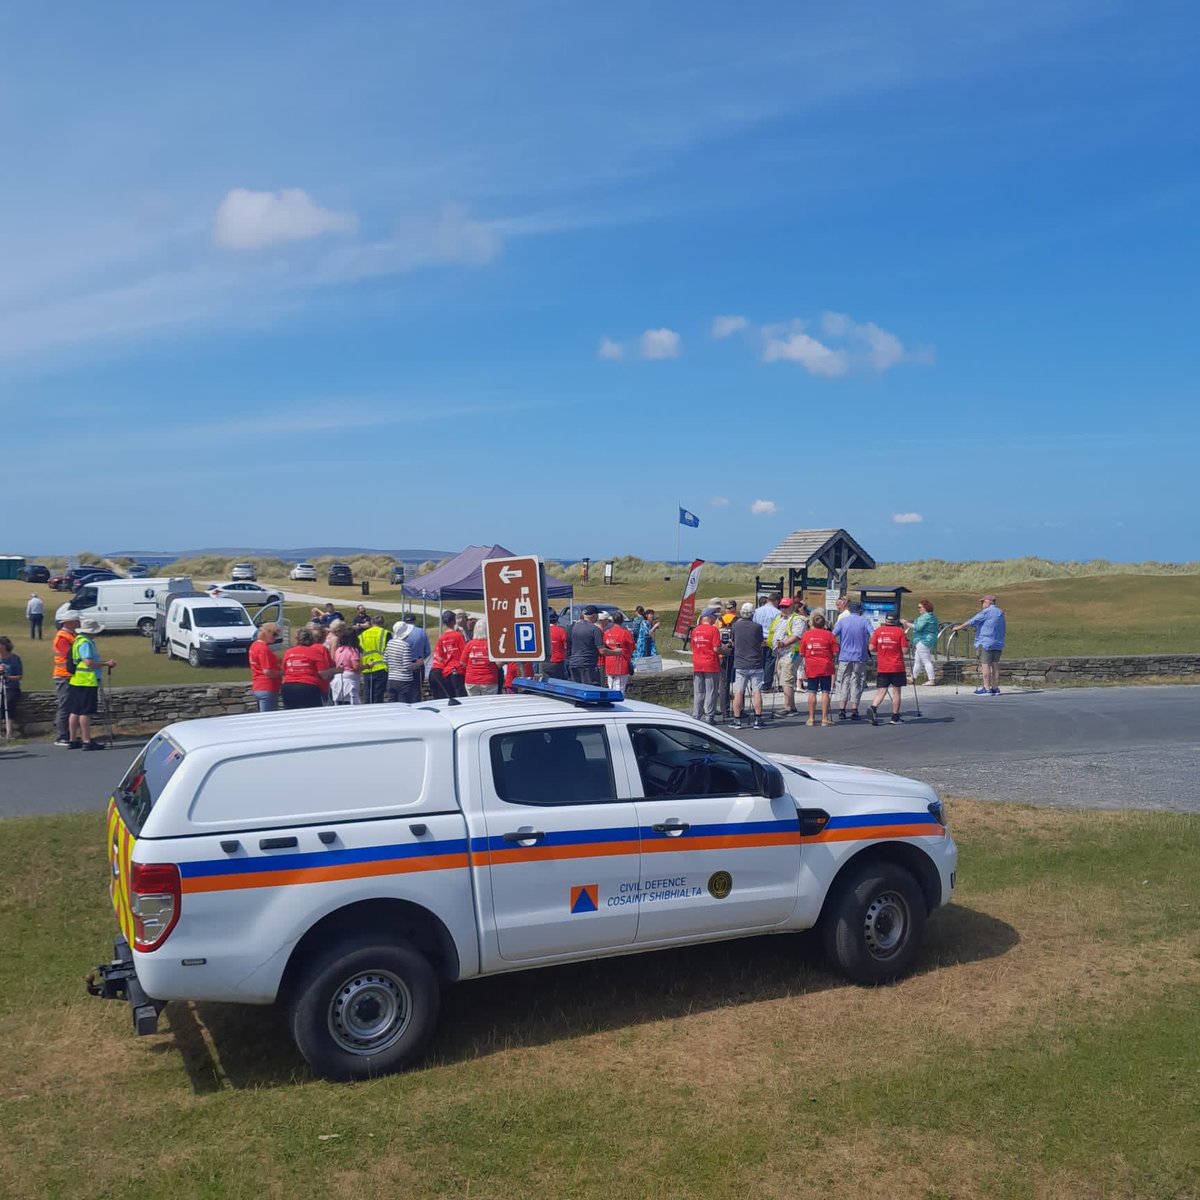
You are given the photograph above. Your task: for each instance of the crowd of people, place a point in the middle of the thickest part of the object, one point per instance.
(783, 643)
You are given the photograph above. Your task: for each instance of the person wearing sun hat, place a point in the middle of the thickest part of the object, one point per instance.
(988, 624)
(83, 701)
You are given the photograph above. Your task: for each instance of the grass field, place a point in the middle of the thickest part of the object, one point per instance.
(1048, 1045)
(1116, 614)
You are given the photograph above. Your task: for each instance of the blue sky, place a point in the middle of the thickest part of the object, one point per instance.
(394, 275)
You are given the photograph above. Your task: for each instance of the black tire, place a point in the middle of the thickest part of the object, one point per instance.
(146, 627)
(193, 657)
(364, 1008)
(874, 922)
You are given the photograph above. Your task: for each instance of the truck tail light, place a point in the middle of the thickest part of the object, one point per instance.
(155, 897)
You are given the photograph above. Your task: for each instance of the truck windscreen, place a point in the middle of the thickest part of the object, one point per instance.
(210, 618)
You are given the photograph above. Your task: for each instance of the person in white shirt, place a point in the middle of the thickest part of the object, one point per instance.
(35, 612)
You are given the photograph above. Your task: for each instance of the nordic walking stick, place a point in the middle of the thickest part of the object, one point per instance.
(107, 711)
(912, 679)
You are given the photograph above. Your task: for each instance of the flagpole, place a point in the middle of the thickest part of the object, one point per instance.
(678, 523)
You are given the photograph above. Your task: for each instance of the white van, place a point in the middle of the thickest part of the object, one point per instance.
(122, 604)
(207, 631)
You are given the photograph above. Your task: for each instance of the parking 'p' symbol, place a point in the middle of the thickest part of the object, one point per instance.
(526, 637)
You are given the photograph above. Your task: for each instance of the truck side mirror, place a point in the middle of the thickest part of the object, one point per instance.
(772, 782)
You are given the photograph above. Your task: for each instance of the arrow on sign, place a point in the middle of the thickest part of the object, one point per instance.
(507, 574)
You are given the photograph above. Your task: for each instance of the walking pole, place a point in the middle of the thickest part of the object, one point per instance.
(957, 668)
(107, 711)
(912, 679)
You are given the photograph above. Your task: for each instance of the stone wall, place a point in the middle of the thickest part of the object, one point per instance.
(138, 708)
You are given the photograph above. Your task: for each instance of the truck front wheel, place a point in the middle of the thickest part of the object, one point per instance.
(874, 922)
(364, 1008)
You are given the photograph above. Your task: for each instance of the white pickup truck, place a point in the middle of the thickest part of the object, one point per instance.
(350, 862)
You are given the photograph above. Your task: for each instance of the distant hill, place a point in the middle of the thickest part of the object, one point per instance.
(416, 556)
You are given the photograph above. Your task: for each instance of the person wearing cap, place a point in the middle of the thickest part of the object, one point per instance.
(418, 643)
(61, 649)
(618, 653)
(707, 653)
(556, 665)
(398, 659)
(373, 643)
(266, 672)
(747, 637)
(988, 624)
(35, 614)
(854, 639)
(445, 672)
(786, 632)
(586, 645)
(888, 643)
(85, 685)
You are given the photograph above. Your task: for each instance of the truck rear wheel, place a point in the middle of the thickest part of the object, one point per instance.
(873, 926)
(364, 1008)
(146, 627)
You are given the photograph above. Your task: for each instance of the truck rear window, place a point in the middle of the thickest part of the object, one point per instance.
(145, 780)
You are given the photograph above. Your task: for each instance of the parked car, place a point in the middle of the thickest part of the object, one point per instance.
(34, 573)
(303, 570)
(570, 613)
(340, 575)
(137, 571)
(92, 577)
(252, 595)
(611, 827)
(396, 574)
(209, 631)
(66, 581)
(243, 571)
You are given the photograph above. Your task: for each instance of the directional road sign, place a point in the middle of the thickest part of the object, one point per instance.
(514, 606)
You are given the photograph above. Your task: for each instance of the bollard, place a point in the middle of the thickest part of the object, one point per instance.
(366, 587)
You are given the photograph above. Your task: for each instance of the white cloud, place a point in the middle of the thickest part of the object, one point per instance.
(610, 351)
(790, 344)
(763, 508)
(659, 343)
(720, 502)
(849, 345)
(723, 327)
(907, 518)
(249, 220)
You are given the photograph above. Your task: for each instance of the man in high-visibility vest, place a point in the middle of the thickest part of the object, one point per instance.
(373, 641)
(84, 685)
(62, 677)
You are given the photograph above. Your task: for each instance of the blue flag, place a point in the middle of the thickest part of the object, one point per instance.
(689, 519)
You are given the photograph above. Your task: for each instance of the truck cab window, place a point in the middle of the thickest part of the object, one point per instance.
(569, 765)
(674, 761)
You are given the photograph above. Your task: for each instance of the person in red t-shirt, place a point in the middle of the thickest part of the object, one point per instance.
(265, 671)
(556, 666)
(618, 656)
(307, 669)
(819, 649)
(888, 643)
(480, 674)
(517, 670)
(445, 669)
(706, 666)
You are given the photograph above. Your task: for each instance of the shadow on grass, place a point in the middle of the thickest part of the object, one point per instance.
(535, 1008)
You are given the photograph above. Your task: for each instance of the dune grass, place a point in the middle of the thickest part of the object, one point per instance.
(1047, 1045)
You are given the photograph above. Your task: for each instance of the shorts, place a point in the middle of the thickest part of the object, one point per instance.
(990, 656)
(83, 701)
(785, 670)
(743, 679)
(819, 683)
(886, 679)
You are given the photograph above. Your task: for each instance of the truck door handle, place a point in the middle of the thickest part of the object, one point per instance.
(671, 828)
(525, 835)
(280, 843)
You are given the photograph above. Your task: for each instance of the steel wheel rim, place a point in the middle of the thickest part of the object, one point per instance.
(370, 1012)
(885, 924)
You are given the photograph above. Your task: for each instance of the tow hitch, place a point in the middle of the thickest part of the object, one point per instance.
(118, 980)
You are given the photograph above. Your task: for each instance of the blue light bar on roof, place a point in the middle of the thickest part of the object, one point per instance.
(568, 689)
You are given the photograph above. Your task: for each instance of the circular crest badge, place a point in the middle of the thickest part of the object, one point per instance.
(720, 884)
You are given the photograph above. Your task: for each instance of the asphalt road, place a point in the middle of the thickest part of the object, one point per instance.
(1119, 747)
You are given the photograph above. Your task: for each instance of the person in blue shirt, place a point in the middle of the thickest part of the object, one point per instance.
(418, 643)
(853, 632)
(988, 624)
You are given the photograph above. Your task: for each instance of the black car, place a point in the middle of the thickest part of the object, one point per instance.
(340, 575)
(92, 577)
(34, 573)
